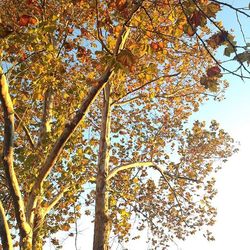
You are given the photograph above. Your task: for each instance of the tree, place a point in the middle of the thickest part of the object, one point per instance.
(183, 158)
(57, 57)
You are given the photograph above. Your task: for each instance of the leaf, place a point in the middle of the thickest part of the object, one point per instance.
(189, 30)
(213, 71)
(154, 46)
(25, 20)
(126, 58)
(196, 19)
(33, 21)
(171, 197)
(217, 39)
(121, 4)
(228, 51)
(5, 30)
(212, 9)
(243, 57)
(124, 213)
(78, 207)
(65, 227)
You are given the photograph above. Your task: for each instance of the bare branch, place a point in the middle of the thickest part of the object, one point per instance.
(241, 28)
(27, 132)
(231, 7)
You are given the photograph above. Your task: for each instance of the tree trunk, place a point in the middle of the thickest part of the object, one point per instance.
(37, 225)
(37, 243)
(102, 222)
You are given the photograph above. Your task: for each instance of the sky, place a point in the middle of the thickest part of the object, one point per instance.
(233, 181)
(232, 202)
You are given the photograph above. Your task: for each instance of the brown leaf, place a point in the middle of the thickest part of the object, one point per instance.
(213, 71)
(126, 58)
(196, 19)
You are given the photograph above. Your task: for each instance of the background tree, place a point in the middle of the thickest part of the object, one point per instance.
(56, 58)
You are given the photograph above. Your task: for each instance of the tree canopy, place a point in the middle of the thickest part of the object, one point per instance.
(100, 93)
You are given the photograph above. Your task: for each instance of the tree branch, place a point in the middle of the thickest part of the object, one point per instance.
(174, 94)
(231, 7)
(218, 27)
(56, 199)
(5, 230)
(206, 48)
(116, 103)
(124, 31)
(26, 131)
(66, 134)
(45, 127)
(163, 172)
(8, 157)
(80, 114)
(99, 35)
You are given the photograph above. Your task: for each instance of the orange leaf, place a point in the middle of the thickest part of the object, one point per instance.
(190, 30)
(33, 21)
(161, 45)
(65, 227)
(154, 46)
(121, 4)
(24, 20)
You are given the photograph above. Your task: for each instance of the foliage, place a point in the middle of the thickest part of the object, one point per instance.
(158, 58)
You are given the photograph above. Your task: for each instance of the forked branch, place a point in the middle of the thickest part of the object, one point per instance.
(70, 127)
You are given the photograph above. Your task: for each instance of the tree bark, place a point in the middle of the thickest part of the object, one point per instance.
(47, 115)
(38, 233)
(4, 230)
(102, 223)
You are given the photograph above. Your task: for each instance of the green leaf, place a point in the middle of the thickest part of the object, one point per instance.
(227, 52)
